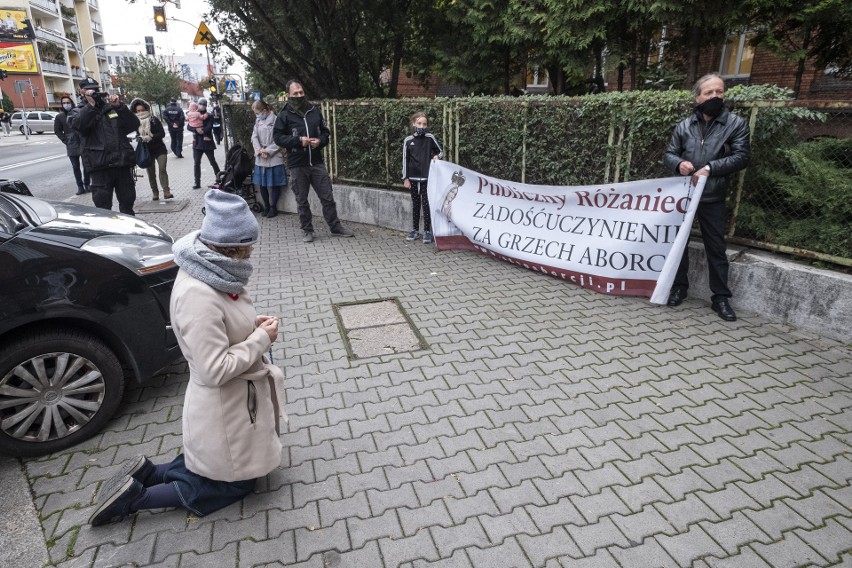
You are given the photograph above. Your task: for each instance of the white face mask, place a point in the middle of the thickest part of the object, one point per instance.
(67, 106)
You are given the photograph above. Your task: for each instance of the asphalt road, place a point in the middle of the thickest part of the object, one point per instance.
(40, 162)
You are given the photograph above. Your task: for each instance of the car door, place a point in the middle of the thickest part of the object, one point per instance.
(46, 122)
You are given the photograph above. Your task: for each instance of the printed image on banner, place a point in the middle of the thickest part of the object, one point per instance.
(623, 238)
(14, 25)
(18, 58)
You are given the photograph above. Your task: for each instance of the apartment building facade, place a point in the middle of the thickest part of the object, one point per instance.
(53, 44)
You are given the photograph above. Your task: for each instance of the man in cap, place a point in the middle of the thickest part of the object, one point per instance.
(104, 124)
(174, 118)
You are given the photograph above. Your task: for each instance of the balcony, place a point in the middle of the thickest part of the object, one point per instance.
(48, 6)
(93, 4)
(96, 27)
(100, 52)
(50, 35)
(77, 72)
(58, 68)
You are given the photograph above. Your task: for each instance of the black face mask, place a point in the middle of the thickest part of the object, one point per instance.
(299, 103)
(420, 132)
(711, 107)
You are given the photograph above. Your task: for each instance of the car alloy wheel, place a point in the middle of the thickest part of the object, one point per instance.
(56, 390)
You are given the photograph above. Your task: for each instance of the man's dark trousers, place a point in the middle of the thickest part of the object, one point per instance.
(301, 179)
(713, 220)
(82, 178)
(177, 141)
(118, 179)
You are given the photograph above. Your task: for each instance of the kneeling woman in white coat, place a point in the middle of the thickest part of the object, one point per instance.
(231, 408)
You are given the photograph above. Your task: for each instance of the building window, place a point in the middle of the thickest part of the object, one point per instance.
(737, 56)
(536, 77)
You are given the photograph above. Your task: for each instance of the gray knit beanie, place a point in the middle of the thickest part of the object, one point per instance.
(228, 222)
(202, 102)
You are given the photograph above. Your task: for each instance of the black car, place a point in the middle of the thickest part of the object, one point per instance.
(84, 302)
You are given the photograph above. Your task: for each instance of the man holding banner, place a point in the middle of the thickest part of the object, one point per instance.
(711, 143)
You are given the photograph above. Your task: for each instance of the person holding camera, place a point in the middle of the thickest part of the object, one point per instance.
(104, 124)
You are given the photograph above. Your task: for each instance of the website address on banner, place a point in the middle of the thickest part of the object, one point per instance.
(614, 286)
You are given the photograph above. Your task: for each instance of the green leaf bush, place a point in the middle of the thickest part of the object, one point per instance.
(795, 192)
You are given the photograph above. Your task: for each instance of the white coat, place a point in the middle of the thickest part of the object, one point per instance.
(231, 407)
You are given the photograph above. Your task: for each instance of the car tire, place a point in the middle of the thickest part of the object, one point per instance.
(21, 129)
(34, 420)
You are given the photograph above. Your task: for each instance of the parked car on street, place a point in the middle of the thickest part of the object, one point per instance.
(37, 121)
(84, 303)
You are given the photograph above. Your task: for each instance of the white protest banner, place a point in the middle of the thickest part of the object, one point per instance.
(623, 238)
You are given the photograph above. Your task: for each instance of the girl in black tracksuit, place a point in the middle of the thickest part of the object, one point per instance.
(417, 152)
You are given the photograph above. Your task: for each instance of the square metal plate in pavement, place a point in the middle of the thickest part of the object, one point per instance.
(377, 327)
(161, 206)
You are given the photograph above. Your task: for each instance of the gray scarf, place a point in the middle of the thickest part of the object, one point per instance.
(218, 271)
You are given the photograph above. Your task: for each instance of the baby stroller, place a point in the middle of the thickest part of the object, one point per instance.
(236, 177)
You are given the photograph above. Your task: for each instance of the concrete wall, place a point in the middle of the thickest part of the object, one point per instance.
(763, 283)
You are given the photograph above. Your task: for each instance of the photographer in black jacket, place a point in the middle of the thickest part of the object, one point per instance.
(104, 124)
(301, 130)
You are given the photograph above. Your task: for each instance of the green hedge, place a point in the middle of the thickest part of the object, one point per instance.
(602, 138)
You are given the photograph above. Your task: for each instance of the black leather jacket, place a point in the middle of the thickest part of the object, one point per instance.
(290, 126)
(103, 133)
(723, 143)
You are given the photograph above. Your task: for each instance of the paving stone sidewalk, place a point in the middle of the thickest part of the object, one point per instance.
(545, 425)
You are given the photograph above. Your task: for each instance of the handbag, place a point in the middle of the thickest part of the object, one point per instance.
(143, 155)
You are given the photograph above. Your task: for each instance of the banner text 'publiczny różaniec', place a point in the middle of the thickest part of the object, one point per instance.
(624, 238)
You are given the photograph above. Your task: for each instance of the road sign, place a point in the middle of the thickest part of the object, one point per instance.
(230, 86)
(256, 95)
(22, 85)
(203, 36)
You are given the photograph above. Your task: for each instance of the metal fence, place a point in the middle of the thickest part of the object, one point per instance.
(795, 197)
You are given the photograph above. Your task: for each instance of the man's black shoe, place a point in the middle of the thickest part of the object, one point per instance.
(724, 309)
(80, 191)
(196, 187)
(676, 297)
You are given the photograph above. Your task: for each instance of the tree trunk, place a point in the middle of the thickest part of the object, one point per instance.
(694, 54)
(800, 67)
(620, 77)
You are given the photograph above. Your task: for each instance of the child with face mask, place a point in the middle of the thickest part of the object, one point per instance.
(269, 172)
(418, 150)
(73, 147)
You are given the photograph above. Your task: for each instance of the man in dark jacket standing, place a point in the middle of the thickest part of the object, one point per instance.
(71, 139)
(104, 123)
(174, 118)
(712, 142)
(301, 130)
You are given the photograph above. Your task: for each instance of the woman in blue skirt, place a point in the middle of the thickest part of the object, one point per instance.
(269, 172)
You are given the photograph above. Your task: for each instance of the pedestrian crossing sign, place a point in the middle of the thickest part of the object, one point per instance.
(230, 86)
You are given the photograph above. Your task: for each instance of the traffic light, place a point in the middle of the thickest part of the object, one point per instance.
(3, 74)
(214, 91)
(149, 45)
(160, 19)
